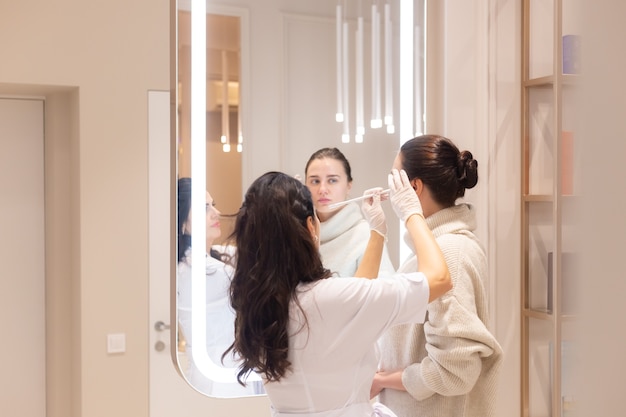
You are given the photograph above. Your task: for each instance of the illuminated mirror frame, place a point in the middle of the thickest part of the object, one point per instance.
(216, 373)
(411, 122)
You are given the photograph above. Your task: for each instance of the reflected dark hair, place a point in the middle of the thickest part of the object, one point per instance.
(441, 166)
(332, 153)
(275, 253)
(183, 211)
(184, 208)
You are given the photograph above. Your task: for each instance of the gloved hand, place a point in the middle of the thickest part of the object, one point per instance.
(373, 211)
(402, 195)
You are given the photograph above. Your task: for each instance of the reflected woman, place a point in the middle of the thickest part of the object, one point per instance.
(343, 231)
(219, 315)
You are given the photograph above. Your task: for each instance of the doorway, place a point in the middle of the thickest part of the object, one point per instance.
(169, 392)
(22, 256)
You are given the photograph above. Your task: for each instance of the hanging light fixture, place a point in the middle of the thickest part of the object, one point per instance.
(381, 61)
(376, 120)
(360, 117)
(225, 138)
(339, 58)
(239, 132)
(388, 70)
(345, 138)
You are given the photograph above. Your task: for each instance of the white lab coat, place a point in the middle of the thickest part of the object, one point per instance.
(333, 353)
(220, 319)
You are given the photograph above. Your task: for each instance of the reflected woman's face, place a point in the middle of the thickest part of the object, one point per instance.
(327, 180)
(213, 229)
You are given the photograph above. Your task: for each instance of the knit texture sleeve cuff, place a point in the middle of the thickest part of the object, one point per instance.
(414, 383)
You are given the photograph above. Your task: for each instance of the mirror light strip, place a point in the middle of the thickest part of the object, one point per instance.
(205, 365)
(406, 70)
(406, 81)
(421, 76)
(198, 184)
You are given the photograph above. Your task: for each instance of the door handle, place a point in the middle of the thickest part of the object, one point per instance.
(160, 326)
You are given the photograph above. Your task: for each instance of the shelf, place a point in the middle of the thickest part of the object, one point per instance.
(541, 314)
(545, 198)
(537, 198)
(570, 79)
(547, 81)
(550, 186)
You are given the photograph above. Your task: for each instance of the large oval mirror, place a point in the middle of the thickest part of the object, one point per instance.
(259, 85)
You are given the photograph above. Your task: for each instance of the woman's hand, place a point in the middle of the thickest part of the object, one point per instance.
(373, 211)
(386, 380)
(402, 195)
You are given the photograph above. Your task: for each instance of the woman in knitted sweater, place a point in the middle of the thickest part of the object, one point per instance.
(448, 365)
(344, 232)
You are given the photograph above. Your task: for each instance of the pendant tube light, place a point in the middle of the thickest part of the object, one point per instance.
(225, 104)
(419, 116)
(359, 112)
(345, 138)
(339, 117)
(376, 120)
(388, 30)
(239, 131)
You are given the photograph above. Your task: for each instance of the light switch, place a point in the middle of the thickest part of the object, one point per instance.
(116, 343)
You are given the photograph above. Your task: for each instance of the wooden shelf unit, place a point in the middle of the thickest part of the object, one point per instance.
(545, 122)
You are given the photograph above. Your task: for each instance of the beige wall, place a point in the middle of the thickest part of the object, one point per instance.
(473, 98)
(96, 84)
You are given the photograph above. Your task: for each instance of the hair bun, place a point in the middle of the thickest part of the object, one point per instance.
(467, 169)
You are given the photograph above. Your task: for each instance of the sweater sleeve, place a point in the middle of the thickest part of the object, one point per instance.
(457, 340)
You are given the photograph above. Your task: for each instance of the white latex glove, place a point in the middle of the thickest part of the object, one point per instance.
(373, 211)
(402, 196)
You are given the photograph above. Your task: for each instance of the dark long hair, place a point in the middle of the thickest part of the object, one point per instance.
(275, 253)
(441, 166)
(332, 153)
(183, 211)
(184, 208)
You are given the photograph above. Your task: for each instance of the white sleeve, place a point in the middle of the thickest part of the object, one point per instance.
(358, 306)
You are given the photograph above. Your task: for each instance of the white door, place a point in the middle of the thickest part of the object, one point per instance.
(22, 259)
(170, 395)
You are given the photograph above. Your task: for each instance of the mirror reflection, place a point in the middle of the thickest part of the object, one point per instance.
(290, 100)
(216, 333)
(205, 319)
(224, 137)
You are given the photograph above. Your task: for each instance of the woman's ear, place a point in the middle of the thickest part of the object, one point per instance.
(310, 224)
(418, 185)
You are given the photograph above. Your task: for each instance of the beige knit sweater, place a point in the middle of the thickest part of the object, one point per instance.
(343, 239)
(450, 362)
